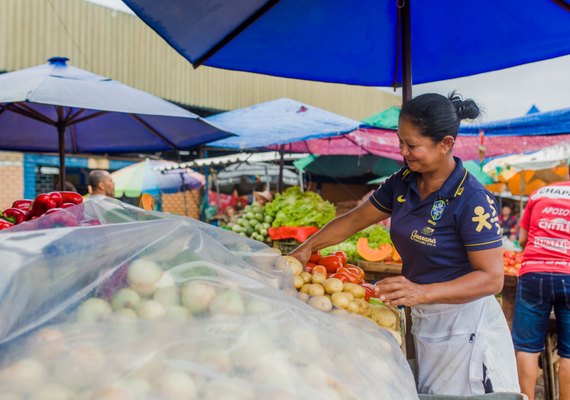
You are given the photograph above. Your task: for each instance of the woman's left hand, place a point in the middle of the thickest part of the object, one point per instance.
(399, 291)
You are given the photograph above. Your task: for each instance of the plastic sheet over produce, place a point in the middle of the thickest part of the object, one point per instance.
(172, 308)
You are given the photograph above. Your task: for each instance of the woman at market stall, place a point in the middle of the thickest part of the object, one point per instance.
(445, 227)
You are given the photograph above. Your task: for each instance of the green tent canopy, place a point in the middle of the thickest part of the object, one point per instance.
(476, 170)
(347, 166)
(387, 119)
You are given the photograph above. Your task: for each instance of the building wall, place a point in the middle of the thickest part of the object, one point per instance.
(12, 178)
(122, 47)
(174, 203)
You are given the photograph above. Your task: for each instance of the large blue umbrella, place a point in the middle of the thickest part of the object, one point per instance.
(364, 42)
(58, 108)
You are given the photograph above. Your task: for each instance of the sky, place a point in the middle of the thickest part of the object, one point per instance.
(503, 94)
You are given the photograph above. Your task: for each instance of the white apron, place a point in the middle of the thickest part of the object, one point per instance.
(464, 349)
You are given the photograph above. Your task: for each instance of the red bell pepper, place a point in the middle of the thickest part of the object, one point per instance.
(15, 215)
(5, 224)
(71, 197)
(342, 255)
(315, 257)
(57, 198)
(356, 270)
(22, 204)
(67, 205)
(352, 277)
(41, 204)
(91, 222)
(59, 217)
(369, 290)
(340, 276)
(331, 263)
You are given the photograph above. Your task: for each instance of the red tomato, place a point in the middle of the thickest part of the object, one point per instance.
(309, 267)
(331, 263)
(342, 255)
(315, 257)
(319, 269)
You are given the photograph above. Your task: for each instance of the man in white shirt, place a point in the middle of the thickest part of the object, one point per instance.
(101, 185)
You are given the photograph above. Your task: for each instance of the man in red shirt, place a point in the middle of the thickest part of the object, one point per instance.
(544, 283)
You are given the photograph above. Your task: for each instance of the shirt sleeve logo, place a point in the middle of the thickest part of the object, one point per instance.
(485, 219)
(401, 199)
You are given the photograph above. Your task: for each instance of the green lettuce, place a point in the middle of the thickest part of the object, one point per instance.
(296, 208)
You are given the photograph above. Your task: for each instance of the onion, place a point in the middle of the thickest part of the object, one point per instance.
(143, 276)
(125, 298)
(23, 376)
(229, 389)
(81, 367)
(151, 310)
(52, 391)
(47, 344)
(93, 309)
(228, 302)
(178, 313)
(112, 393)
(167, 296)
(175, 385)
(197, 296)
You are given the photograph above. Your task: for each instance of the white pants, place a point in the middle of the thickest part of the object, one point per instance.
(464, 349)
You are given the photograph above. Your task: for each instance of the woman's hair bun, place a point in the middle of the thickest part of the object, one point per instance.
(466, 109)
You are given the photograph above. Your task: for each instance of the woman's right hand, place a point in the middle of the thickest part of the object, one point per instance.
(301, 253)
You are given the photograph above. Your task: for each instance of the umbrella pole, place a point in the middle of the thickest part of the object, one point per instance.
(61, 135)
(281, 166)
(405, 23)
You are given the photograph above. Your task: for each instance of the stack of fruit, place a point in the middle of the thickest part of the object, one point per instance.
(254, 223)
(512, 261)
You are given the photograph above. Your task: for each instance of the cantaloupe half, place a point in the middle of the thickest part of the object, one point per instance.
(396, 256)
(371, 254)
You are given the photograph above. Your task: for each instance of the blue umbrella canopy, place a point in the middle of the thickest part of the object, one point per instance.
(278, 122)
(358, 42)
(56, 107)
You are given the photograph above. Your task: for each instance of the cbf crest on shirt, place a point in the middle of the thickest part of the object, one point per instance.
(433, 235)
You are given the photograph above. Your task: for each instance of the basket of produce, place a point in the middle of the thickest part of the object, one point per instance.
(286, 246)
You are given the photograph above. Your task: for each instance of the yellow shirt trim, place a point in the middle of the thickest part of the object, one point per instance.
(481, 244)
(380, 204)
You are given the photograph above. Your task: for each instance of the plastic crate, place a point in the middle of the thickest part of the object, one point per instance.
(286, 246)
(491, 396)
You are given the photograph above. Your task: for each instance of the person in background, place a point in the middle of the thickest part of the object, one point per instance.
(509, 223)
(101, 185)
(544, 284)
(444, 225)
(262, 198)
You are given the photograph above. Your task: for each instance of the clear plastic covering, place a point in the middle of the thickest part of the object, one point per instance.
(153, 306)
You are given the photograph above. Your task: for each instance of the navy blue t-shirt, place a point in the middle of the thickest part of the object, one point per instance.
(433, 236)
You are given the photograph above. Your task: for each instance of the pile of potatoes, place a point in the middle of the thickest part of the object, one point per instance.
(338, 297)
